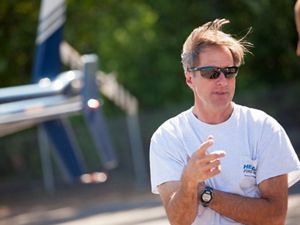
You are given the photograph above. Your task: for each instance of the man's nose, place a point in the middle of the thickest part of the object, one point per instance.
(222, 80)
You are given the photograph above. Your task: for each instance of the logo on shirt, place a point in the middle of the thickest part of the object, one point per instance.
(249, 170)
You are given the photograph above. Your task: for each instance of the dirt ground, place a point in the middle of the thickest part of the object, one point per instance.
(33, 206)
(105, 204)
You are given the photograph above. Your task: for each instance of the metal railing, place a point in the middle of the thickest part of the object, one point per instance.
(115, 92)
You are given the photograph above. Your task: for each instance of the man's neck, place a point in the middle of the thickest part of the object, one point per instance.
(213, 116)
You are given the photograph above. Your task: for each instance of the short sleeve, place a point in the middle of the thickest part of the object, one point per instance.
(276, 155)
(167, 159)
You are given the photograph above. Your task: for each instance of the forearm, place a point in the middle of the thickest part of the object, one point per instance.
(182, 208)
(247, 210)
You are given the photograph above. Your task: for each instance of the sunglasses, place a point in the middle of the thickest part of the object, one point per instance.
(213, 72)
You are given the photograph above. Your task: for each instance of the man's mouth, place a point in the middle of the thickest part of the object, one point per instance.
(220, 93)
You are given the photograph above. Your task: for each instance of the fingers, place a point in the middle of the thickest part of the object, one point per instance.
(210, 169)
(214, 155)
(203, 165)
(212, 165)
(208, 164)
(201, 152)
(210, 137)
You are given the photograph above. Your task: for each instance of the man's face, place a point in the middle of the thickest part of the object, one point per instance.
(213, 94)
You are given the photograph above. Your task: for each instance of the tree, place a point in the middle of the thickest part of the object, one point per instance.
(141, 40)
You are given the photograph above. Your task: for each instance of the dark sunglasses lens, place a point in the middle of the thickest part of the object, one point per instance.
(230, 71)
(210, 73)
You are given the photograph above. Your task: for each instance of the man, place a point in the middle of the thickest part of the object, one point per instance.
(220, 162)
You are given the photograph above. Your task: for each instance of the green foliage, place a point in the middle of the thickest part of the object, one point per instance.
(141, 40)
(18, 21)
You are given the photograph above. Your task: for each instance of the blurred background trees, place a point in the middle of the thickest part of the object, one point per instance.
(141, 40)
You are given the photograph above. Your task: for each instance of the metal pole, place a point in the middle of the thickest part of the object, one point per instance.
(137, 152)
(45, 148)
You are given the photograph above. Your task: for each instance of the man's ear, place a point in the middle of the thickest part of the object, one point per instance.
(188, 79)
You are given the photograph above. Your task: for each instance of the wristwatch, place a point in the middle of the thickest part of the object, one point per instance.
(206, 196)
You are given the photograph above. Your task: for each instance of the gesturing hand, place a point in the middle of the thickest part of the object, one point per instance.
(202, 165)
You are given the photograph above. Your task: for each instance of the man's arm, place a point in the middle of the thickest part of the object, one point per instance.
(181, 206)
(180, 197)
(271, 208)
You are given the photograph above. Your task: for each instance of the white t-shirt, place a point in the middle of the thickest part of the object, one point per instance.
(256, 146)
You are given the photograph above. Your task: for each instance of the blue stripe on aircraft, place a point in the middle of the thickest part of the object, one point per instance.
(47, 58)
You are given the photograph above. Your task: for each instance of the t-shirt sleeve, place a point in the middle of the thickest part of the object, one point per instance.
(167, 159)
(276, 155)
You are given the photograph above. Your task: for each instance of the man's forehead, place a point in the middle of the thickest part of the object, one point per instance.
(215, 54)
